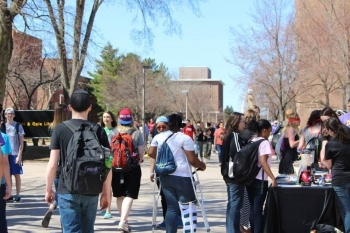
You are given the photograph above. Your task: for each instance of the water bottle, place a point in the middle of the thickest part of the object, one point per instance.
(108, 161)
(109, 158)
(321, 181)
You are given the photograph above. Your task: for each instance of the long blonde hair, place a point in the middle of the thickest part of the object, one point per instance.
(291, 122)
(60, 115)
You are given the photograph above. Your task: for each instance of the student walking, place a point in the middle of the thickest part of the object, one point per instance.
(126, 185)
(77, 208)
(109, 124)
(177, 187)
(60, 115)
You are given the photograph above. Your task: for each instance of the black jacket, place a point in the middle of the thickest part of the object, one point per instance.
(229, 149)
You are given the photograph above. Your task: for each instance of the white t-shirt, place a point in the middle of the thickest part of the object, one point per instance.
(264, 149)
(177, 143)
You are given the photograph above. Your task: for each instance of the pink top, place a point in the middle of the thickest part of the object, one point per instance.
(264, 149)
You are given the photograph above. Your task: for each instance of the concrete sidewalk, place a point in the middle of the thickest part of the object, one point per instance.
(27, 215)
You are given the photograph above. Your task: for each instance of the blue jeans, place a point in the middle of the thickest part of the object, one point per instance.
(78, 212)
(343, 196)
(203, 149)
(218, 148)
(176, 189)
(256, 198)
(3, 222)
(235, 195)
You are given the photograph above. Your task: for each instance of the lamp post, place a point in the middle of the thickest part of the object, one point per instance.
(144, 68)
(186, 91)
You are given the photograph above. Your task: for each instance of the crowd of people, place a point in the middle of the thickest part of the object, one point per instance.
(191, 145)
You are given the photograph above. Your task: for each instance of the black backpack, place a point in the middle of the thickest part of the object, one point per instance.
(245, 163)
(84, 168)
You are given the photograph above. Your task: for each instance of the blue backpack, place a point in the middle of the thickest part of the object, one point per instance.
(165, 162)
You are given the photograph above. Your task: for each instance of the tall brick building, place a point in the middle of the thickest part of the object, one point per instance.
(321, 49)
(204, 95)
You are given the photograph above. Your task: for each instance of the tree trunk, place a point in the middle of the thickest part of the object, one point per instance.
(6, 47)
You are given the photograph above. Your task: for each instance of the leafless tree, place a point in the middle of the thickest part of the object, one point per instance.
(265, 54)
(27, 76)
(73, 39)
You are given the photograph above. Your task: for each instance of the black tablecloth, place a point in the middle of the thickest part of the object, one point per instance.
(299, 209)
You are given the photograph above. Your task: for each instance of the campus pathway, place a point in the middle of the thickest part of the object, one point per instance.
(26, 216)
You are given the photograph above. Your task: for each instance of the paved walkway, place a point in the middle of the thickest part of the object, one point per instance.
(26, 216)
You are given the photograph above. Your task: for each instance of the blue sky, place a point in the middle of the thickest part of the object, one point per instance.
(204, 41)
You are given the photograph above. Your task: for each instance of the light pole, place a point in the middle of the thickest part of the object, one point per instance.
(144, 68)
(186, 91)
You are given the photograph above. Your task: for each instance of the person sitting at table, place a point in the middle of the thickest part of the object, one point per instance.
(258, 189)
(337, 158)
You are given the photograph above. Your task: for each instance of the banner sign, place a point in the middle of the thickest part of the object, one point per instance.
(35, 122)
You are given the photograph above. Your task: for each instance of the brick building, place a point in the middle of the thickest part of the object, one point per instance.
(29, 65)
(321, 49)
(204, 95)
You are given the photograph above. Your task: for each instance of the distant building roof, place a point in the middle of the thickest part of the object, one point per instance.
(199, 80)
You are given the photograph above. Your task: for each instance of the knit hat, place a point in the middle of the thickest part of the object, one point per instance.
(125, 116)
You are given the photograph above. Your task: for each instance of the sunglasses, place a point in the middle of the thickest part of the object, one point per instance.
(161, 127)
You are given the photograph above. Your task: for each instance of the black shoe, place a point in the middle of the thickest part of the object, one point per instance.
(10, 198)
(17, 199)
(46, 220)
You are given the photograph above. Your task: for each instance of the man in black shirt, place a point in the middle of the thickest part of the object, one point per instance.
(78, 212)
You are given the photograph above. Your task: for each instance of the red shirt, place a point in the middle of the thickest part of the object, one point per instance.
(189, 130)
(217, 135)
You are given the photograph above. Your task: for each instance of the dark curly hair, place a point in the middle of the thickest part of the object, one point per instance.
(258, 126)
(340, 131)
(175, 122)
